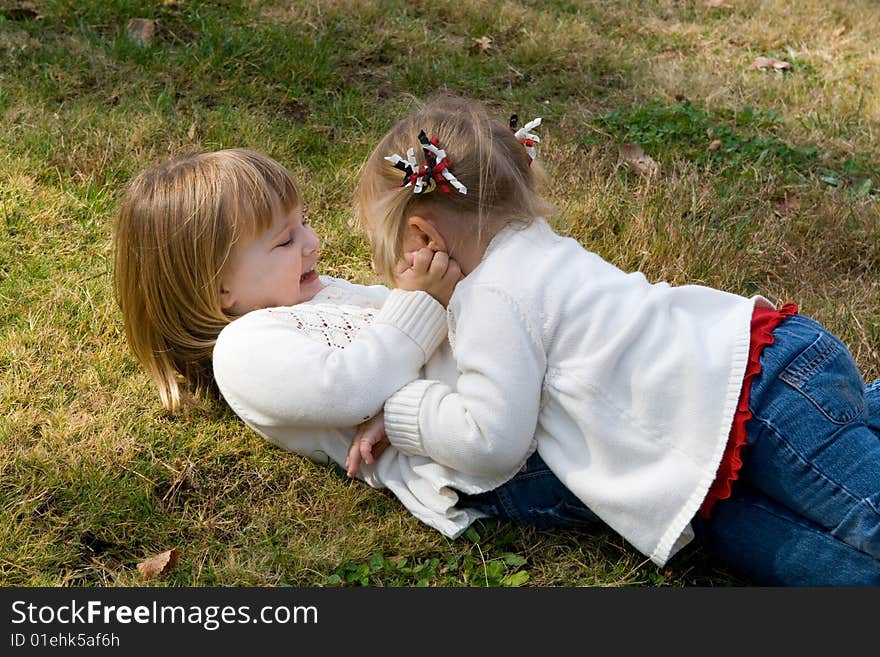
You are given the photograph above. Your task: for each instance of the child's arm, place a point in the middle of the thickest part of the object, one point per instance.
(486, 425)
(434, 273)
(273, 374)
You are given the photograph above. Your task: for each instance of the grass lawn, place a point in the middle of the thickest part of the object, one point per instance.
(95, 476)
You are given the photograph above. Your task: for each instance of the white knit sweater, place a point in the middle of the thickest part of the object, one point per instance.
(626, 389)
(304, 376)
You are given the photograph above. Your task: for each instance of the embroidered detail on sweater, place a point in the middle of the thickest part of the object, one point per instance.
(335, 326)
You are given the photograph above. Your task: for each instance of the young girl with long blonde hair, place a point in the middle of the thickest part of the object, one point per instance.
(665, 411)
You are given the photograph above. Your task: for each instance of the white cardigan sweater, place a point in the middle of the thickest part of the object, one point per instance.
(304, 376)
(626, 389)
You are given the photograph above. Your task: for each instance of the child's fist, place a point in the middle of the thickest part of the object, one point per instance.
(368, 444)
(433, 272)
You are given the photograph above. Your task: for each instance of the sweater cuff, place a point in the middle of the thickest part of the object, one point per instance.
(418, 315)
(402, 417)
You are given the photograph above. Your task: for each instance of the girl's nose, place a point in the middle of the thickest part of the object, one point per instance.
(312, 245)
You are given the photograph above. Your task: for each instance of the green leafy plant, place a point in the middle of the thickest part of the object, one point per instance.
(379, 570)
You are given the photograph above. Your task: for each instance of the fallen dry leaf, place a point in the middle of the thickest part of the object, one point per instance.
(770, 62)
(159, 564)
(191, 133)
(481, 44)
(714, 145)
(840, 30)
(716, 4)
(141, 30)
(785, 203)
(640, 162)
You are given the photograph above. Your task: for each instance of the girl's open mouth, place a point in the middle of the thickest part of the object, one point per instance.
(309, 276)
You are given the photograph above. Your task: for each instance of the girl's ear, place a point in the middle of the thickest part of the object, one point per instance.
(227, 300)
(421, 232)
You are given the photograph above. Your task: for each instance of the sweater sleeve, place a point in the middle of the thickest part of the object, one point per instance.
(273, 375)
(486, 425)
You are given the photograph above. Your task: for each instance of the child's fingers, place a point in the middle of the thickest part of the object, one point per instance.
(405, 262)
(453, 270)
(353, 460)
(439, 264)
(366, 452)
(422, 260)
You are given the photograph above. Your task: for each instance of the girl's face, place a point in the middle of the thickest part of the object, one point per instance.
(277, 267)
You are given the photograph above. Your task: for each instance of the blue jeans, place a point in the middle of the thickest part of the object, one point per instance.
(806, 509)
(536, 497)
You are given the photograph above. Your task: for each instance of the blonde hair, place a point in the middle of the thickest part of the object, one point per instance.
(174, 229)
(502, 185)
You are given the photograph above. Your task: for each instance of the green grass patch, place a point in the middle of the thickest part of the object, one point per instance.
(747, 144)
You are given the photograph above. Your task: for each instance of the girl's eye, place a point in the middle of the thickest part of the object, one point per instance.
(287, 243)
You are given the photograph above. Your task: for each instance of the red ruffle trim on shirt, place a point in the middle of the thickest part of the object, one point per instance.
(764, 320)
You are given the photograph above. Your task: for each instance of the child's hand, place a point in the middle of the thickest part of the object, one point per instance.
(368, 444)
(433, 272)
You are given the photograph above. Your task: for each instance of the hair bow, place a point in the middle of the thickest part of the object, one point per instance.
(526, 138)
(433, 174)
